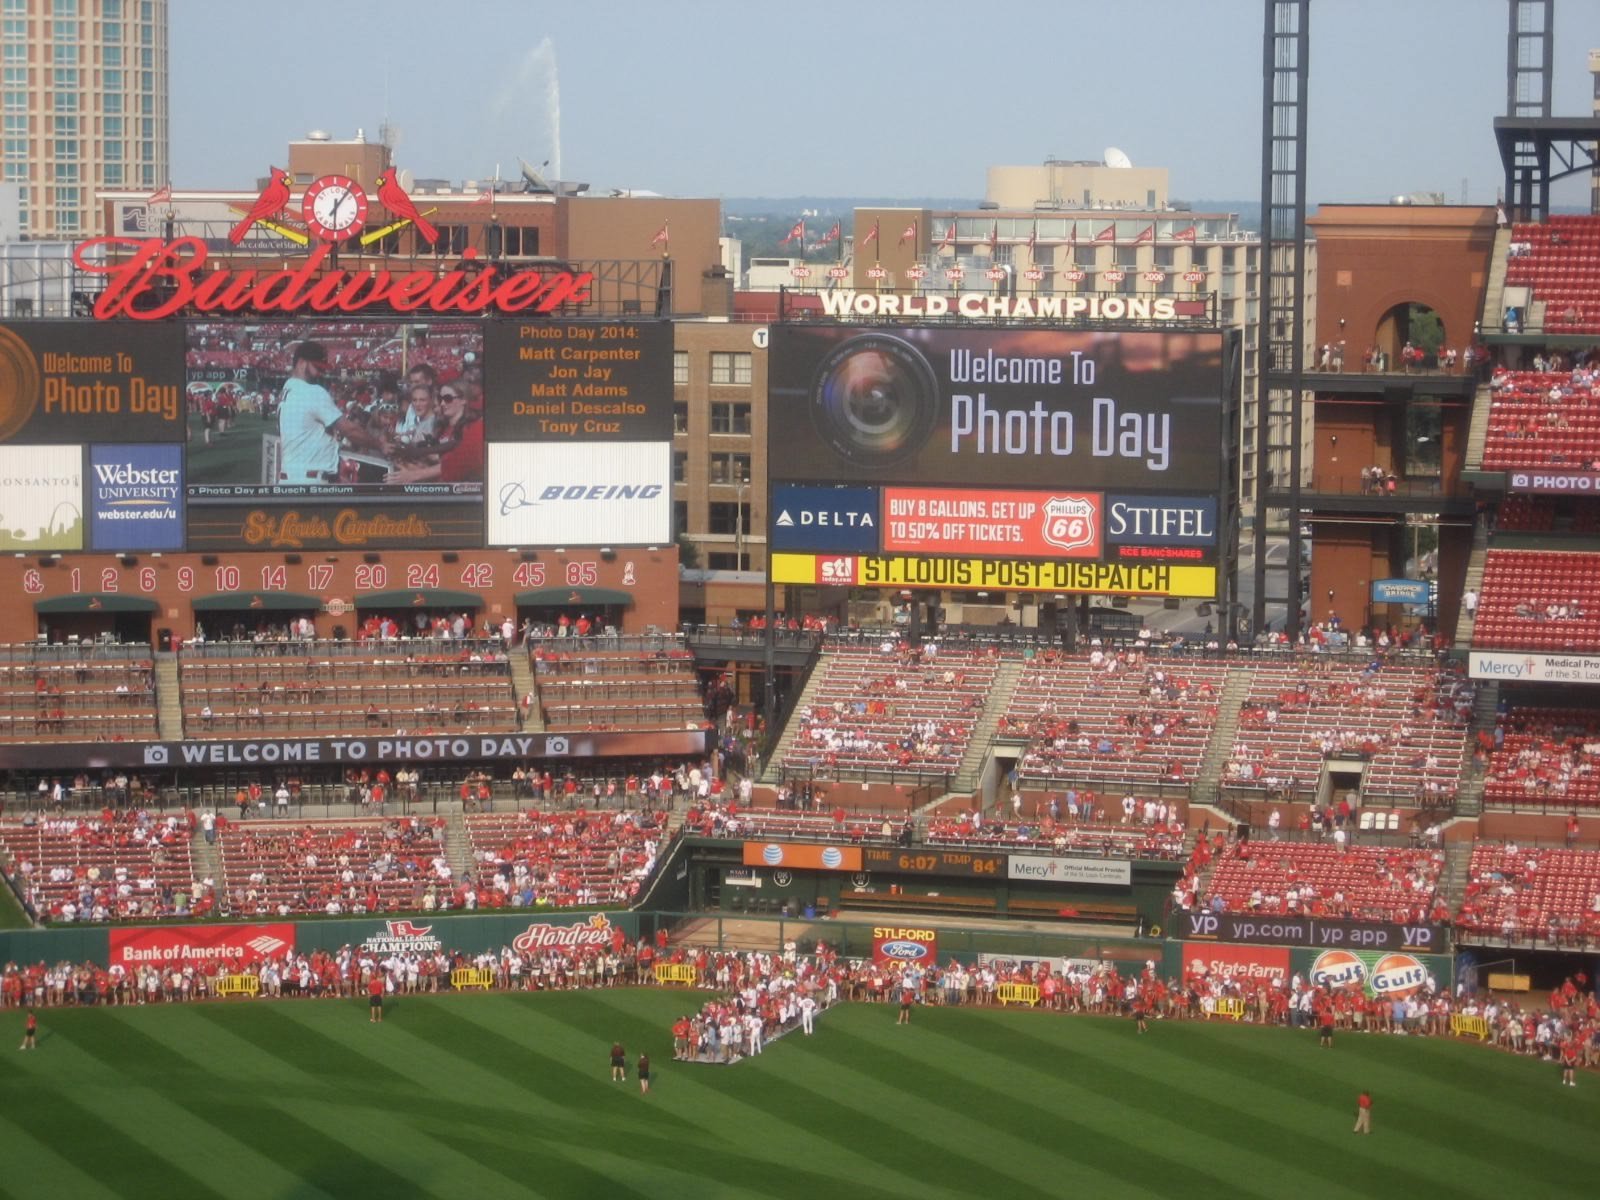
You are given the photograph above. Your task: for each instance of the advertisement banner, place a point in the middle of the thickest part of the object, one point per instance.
(1533, 666)
(909, 947)
(1375, 973)
(802, 856)
(1320, 932)
(976, 864)
(1249, 965)
(825, 518)
(384, 525)
(41, 498)
(973, 521)
(181, 945)
(437, 748)
(1113, 872)
(941, 406)
(584, 494)
(1400, 591)
(579, 381)
(1554, 483)
(70, 382)
(136, 497)
(1128, 579)
(1161, 520)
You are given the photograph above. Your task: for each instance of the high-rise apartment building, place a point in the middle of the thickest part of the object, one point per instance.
(83, 103)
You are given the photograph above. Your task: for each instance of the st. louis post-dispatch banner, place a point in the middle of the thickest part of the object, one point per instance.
(580, 494)
(136, 497)
(1100, 411)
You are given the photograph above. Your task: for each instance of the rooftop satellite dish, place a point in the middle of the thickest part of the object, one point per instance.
(1116, 158)
(535, 182)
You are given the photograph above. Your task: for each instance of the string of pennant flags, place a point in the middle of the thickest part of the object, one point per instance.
(798, 234)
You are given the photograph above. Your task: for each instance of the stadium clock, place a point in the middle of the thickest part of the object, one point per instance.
(334, 208)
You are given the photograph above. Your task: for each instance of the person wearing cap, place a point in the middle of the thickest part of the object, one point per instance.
(310, 424)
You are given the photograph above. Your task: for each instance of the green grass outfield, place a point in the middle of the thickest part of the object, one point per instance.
(466, 1096)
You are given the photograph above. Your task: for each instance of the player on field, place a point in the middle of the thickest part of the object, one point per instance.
(30, 1032)
(619, 1063)
(375, 999)
(644, 1074)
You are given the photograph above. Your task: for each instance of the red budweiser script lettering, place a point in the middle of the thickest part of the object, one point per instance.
(156, 279)
(198, 944)
(596, 932)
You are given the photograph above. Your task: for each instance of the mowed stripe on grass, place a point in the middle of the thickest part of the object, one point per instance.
(510, 1095)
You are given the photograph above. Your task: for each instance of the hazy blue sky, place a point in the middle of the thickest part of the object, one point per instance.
(856, 99)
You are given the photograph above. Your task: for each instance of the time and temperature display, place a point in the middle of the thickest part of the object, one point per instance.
(935, 862)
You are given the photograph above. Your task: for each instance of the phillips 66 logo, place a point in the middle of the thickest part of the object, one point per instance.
(1069, 522)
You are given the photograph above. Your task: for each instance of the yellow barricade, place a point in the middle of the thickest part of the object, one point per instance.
(1229, 1006)
(238, 985)
(1017, 993)
(471, 977)
(1464, 1026)
(1509, 983)
(685, 973)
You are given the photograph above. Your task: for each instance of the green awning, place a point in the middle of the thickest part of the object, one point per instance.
(420, 598)
(113, 602)
(259, 601)
(555, 597)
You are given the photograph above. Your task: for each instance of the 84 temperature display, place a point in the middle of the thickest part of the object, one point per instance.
(935, 862)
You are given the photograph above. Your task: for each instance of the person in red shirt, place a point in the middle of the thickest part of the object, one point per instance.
(644, 1074)
(1569, 1062)
(375, 999)
(1364, 1112)
(30, 1033)
(619, 1063)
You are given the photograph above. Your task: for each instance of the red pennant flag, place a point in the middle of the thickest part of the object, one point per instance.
(872, 236)
(162, 195)
(1108, 234)
(487, 197)
(832, 235)
(662, 238)
(994, 237)
(797, 234)
(1033, 238)
(1072, 234)
(949, 236)
(910, 234)
(1184, 235)
(1149, 235)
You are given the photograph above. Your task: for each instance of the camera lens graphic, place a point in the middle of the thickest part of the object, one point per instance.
(875, 401)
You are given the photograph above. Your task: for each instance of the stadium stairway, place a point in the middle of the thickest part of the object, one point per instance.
(773, 772)
(457, 844)
(1207, 787)
(169, 699)
(523, 685)
(1478, 432)
(1453, 879)
(981, 744)
(1485, 711)
(1495, 289)
(207, 859)
(1465, 621)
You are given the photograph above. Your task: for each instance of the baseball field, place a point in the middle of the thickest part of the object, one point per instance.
(504, 1095)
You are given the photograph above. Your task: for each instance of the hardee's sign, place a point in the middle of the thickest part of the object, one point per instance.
(541, 935)
(154, 279)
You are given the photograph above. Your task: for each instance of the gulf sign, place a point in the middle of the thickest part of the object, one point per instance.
(1382, 976)
(908, 947)
(802, 856)
(983, 521)
(197, 945)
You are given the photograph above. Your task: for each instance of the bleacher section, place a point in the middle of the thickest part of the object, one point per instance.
(876, 710)
(1056, 837)
(1549, 757)
(600, 683)
(1362, 883)
(1543, 419)
(322, 688)
(1517, 892)
(1560, 262)
(562, 859)
(1539, 600)
(1407, 724)
(84, 693)
(709, 821)
(91, 868)
(281, 868)
(1094, 720)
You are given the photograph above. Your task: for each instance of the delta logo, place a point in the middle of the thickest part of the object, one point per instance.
(1339, 970)
(403, 937)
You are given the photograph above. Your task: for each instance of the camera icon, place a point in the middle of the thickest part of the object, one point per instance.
(875, 401)
(554, 746)
(156, 756)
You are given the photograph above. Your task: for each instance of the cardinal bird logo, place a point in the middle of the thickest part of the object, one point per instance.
(272, 200)
(393, 197)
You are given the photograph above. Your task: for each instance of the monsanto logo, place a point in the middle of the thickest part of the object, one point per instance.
(265, 945)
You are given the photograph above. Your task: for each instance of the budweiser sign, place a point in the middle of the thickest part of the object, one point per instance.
(231, 945)
(150, 279)
(541, 935)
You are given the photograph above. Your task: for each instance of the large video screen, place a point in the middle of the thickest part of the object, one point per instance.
(937, 406)
(334, 433)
